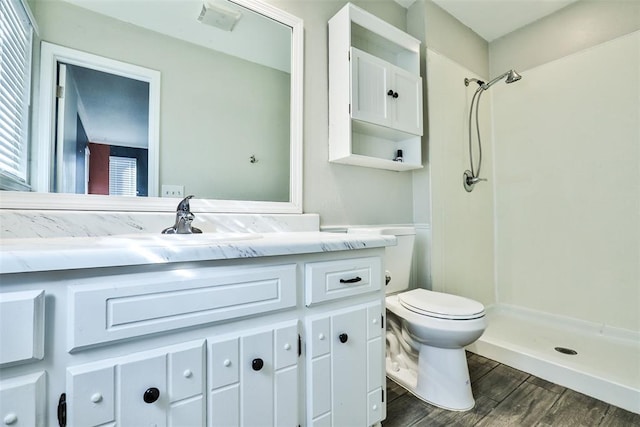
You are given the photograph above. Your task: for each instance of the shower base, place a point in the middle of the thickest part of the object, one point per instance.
(606, 365)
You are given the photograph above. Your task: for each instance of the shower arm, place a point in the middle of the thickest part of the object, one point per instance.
(486, 86)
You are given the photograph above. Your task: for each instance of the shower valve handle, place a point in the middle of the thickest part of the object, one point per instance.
(474, 179)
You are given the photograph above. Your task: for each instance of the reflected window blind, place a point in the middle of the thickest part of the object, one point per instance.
(122, 176)
(16, 35)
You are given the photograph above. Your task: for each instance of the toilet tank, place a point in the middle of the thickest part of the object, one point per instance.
(397, 259)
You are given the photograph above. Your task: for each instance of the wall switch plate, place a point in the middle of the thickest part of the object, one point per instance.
(172, 190)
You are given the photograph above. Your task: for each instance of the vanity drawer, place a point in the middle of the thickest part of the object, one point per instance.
(330, 280)
(21, 326)
(120, 307)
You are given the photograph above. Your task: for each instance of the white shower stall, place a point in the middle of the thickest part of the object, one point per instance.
(551, 242)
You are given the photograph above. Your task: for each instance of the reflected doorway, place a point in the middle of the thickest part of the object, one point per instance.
(102, 138)
(89, 99)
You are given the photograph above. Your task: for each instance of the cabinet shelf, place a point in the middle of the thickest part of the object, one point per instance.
(375, 92)
(376, 163)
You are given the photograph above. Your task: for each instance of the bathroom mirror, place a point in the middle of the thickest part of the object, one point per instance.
(214, 108)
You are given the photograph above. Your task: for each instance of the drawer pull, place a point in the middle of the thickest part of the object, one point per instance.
(151, 395)
(354, 280)
(343, 338)
(257, 364)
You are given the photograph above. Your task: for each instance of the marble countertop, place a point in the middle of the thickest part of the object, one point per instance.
(65, 253)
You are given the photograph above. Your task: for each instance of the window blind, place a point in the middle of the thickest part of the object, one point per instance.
(16, 33)
(122, 176)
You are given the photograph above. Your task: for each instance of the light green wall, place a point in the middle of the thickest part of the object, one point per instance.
(442, 33)
(342, 194)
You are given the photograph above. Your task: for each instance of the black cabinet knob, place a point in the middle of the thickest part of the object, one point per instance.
(257, 364)
(151, 395)
(390, 93)
(395, 94)
(343, 338)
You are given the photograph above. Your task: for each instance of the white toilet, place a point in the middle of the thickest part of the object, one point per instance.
(427, 331)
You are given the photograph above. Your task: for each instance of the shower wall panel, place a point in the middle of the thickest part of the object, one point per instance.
(462, 253)
(567, 176)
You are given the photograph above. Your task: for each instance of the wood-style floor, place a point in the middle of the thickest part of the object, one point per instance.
(506, 397)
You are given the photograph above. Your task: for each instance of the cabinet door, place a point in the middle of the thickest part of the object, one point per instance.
(369, 88)
(256, 371)
(349, 373)
(91, 395)
(385, 94)
(254, 378)
(344, 362)
(22, 401)
(159, 387)
(143, 392)
(407, 105)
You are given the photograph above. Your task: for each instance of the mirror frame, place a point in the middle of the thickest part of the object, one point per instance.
(82, 202)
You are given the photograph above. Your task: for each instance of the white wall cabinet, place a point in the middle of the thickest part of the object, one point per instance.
(375, 92)
(275, 341)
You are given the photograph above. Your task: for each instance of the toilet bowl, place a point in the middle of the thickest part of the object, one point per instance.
(438, 339)
(427, 331)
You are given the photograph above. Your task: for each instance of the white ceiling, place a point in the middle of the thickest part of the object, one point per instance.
(491, 19)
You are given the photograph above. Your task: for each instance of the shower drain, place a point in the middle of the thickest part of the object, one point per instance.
(565, 350)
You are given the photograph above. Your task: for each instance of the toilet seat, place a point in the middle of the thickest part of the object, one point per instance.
(440, 305)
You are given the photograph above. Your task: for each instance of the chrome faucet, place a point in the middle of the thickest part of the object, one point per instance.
(184, 217)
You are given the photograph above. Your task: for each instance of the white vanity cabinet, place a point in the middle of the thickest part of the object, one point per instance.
(285, 340)
(375, 92)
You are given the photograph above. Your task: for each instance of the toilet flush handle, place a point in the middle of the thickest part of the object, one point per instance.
(387, 277)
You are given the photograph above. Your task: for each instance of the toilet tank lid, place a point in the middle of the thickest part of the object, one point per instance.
(384, 230)
(441, 305)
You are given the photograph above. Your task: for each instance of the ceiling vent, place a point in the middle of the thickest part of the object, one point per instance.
(218, 14)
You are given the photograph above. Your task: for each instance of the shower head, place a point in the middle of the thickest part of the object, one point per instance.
(511, 75)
